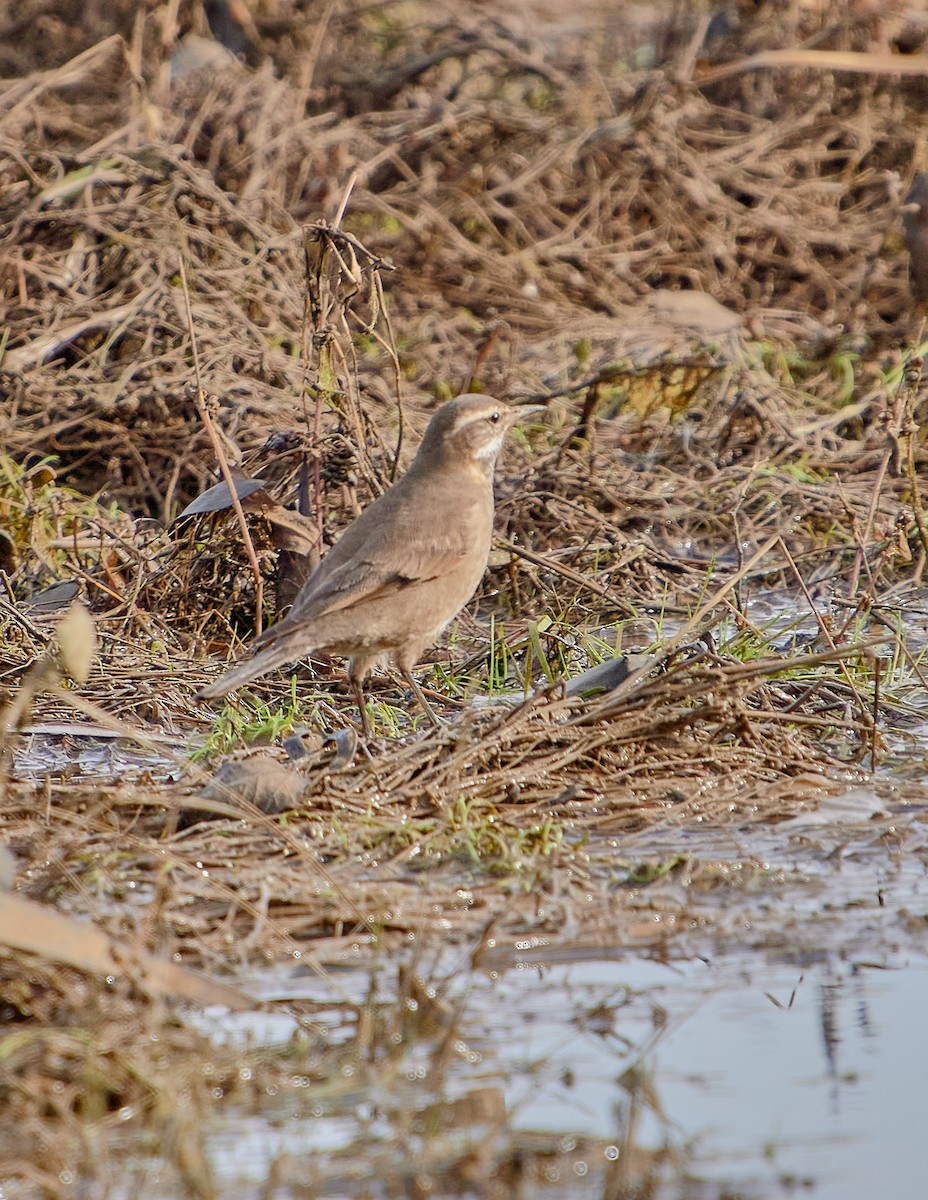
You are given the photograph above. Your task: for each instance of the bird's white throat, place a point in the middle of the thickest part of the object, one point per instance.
(491, 449)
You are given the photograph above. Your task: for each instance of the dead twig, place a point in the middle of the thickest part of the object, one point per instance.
(206, 409)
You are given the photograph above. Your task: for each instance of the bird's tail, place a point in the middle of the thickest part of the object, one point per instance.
(287, 649)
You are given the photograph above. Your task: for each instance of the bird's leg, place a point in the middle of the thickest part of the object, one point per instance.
(420, 696)
(362, 708)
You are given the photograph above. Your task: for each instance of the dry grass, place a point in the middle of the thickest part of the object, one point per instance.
(394, 203)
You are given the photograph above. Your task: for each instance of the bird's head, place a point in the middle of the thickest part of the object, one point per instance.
(470, 430)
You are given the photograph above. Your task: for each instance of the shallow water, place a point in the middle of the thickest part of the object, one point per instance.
(786, 1054)
(762, 1073)
(723, 1078)
(93, 753)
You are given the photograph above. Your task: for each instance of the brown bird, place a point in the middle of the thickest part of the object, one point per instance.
(406, 566)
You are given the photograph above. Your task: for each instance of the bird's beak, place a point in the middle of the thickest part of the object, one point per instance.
(523, 413)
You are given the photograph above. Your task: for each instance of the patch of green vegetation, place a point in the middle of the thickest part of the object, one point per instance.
(473, 834)
(510, 663)
(475, 230)
(498, 676)
(612, 400)
(443, 390)
(842, 367)
(581, 350)
(643, 873)
(541, 96)
(607, 642)
(41, 516)
(800, 471)
(477, 833)
(394, 720)
(246, 722)
(387, 31)
(362, 224)
(368, 346)
(836, 373)
(552, 671)
(903, 669)
(284, 343)
(747, 643)
(894, 374)
(520, 434)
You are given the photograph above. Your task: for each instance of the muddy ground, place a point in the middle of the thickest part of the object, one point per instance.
(459, 961)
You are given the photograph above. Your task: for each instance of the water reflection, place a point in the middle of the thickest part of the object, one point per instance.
(617, 1078)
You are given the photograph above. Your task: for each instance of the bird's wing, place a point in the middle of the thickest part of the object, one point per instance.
(364, 564)
(372, 577)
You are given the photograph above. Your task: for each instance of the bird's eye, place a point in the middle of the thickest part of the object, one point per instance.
(494, 417)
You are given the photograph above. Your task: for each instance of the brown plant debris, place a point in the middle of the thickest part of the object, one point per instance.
(276, 236)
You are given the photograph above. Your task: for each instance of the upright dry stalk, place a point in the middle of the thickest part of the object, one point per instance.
(205, 406)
